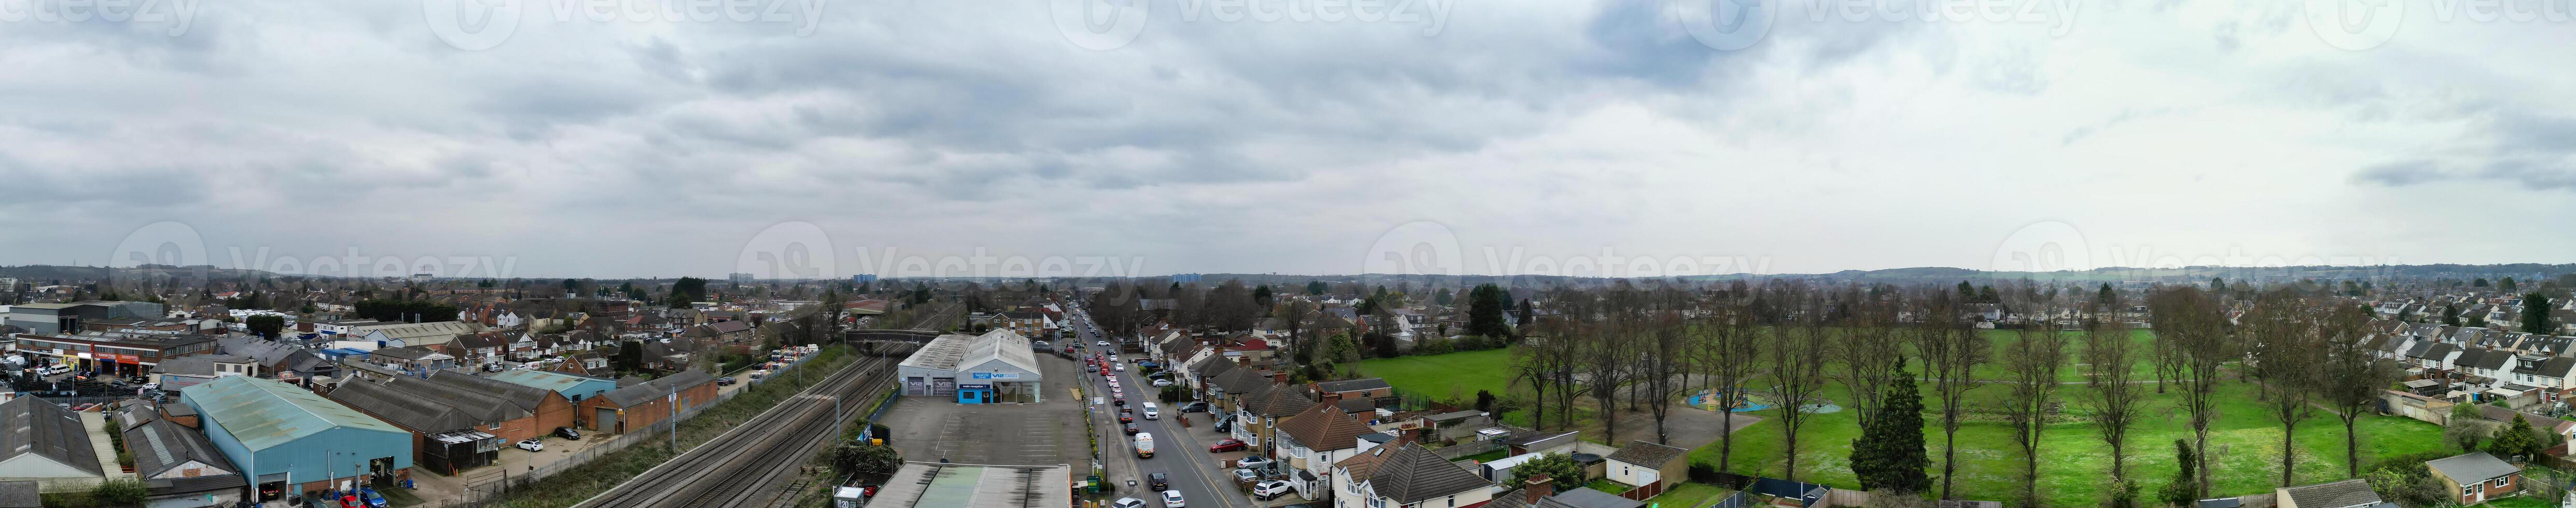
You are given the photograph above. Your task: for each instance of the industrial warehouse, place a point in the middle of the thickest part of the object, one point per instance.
(995, 367)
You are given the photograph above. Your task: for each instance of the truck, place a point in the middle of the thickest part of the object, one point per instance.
(1144, 445)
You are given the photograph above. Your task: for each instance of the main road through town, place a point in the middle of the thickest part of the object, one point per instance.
(1178, 451)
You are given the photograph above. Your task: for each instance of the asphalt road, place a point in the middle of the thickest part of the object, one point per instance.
(1202, 480)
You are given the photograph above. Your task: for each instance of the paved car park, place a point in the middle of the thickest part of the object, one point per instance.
(1045, 433)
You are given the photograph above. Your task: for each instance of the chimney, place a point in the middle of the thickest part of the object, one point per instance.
(1539, 487)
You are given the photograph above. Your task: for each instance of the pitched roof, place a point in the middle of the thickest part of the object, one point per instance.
(1278, 400)
(1243, 381)
(1352, 385)
(2353, 492)
(1412, 474)
(638, 394)
(526, 397)
(484, 407)
(1648, 454)
(262, 414)
(39, 427)
(162, 445)
(1324, 427)
(414, 412)
(2473, 467)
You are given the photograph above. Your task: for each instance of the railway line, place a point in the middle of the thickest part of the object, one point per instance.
(729, 471)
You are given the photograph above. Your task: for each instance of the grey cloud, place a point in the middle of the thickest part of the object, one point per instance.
(2400, 174)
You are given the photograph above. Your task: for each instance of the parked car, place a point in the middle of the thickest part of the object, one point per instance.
(1227, 445)
(1172, 499)
(1127, 502)
(1195, 407)
(1246, 476)
(1159, 481)
(1270, 490)
(532, 445)
(373, 499)
(1101, 343)
(724, 381)
(1254, 462)
(1159, 383)
(568, 433)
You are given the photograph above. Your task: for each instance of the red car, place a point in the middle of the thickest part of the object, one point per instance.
(1226, 446)
(1127, 416)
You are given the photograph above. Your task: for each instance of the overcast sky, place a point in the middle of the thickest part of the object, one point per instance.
(1458, 136)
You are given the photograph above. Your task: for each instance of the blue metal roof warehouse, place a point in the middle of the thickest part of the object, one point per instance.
(294, 440)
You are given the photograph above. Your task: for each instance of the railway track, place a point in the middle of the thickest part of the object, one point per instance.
(727, 471)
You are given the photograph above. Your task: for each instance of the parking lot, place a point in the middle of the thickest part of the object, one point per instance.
(1047, 433)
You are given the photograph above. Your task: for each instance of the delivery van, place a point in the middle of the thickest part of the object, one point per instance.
(1145, 445)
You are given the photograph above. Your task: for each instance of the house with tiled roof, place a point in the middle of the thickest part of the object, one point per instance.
(1406, 474)
(1257, 419)
(1312, 440)
(2475, 478)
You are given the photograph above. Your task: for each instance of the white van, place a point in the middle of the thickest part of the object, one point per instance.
(1152, 413)
(56, 370)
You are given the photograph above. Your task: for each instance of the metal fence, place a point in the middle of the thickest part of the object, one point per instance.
(494, 485)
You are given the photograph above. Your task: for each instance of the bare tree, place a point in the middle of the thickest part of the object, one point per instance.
(1869, 351)
(1609, 361)
(2196, 327)
(1667, 358)
(2113, 402)
(2031, 365)
(2352, 376)
(1731, 349)
(1951, 353)
(1798, 373)
(2286, 357)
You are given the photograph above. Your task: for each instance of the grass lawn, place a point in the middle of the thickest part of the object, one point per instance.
(2521, 502)
(1441, 376)
(1605, 485)
(1687, 495)
(2246, 446)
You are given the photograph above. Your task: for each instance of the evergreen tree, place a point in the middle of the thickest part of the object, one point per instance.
(2518, 440)
(2185, 488)
(2535, 314)
(2451, 315)
(1889, 453)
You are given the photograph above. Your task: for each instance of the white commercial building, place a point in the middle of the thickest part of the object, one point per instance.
(993, 367)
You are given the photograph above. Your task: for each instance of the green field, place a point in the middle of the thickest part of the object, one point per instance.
(1444, 376)
(2246, 441)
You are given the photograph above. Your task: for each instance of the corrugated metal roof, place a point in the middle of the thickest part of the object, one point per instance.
(263, 414)
(162, 445)
(557, 382)
(34, 425)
